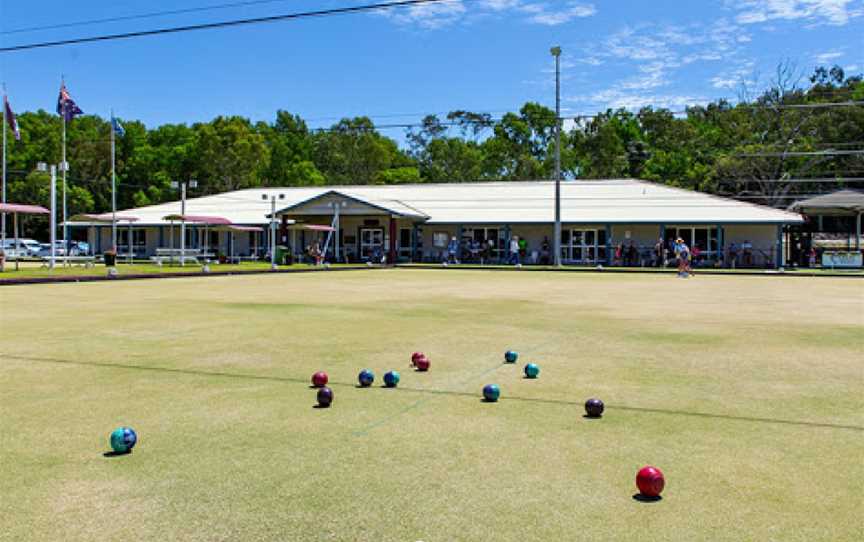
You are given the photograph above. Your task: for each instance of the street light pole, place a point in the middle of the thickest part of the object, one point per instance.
(182, 186)
(42, 166)
(556, 52)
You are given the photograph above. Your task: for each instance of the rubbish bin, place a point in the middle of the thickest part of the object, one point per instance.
(110, 258)
(282, 255)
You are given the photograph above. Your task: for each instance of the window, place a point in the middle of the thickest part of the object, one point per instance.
(440, 239)
(703, 237)
(583, 245)
(139, 238)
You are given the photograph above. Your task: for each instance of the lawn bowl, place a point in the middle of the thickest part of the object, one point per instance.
(123, 439)
(422, 364)
(532, 370)
(391, 379)
(594, 408)
(511, 356)
(366, 378)
(491, 393)
(320, 379)
(325, 397)
(650, 482)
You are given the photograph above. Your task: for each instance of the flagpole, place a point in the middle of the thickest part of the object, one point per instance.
(113, 190)
(3, 233)
(64, 167)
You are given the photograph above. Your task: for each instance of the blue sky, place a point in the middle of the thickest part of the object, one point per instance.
(479, 55)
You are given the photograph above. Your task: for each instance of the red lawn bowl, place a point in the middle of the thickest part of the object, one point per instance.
(416, 356)
(650, 482)
(422, 364)
(319, 379)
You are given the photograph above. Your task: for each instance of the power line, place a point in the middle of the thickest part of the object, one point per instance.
(224, 24)
(139, 16)
(793, 153)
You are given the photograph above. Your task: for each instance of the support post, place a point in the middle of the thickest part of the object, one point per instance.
(858, 233)
(392, 256)
(414, 243)
(609, 254)
(779, 247)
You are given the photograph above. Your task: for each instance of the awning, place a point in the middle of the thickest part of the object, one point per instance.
(234, 227)
(23, 209)
(312, 227)
(213, 220)
(103, 218)
(840, 203)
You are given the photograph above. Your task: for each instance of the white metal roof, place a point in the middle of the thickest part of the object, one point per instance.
(591, 202)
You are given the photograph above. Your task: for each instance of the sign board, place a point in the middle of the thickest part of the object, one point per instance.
(842, 259)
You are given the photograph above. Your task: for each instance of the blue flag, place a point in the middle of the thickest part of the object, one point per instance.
(66, 106)
(118, 128)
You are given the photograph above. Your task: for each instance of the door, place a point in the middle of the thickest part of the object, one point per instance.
(371, 243)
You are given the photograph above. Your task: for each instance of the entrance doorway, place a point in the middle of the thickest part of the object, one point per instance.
(371, 243)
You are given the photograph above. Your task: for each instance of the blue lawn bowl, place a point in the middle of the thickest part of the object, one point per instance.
(366, 378)
(123, 439)
(491, 393)
(510, 356)
(532, 370)
(391, 379)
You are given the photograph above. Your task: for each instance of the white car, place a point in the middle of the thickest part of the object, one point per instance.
(26, 248)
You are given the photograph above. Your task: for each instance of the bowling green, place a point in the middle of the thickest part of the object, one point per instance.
(746, 391)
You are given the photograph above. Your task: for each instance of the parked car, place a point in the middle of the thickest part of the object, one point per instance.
(82, 247)
(59, 249)
(26, 248)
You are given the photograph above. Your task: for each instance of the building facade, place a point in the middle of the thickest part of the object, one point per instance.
(604, 222)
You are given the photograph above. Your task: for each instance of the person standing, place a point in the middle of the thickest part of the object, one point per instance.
(658, 253)
(453, 251)
(514, 250)
(544, 251)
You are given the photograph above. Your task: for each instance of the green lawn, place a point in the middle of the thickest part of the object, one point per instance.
(748, 392)
(29, 270)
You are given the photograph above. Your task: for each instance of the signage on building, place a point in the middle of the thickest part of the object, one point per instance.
(842, 259)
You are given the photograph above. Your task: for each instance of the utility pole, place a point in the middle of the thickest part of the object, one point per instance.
(556, 52)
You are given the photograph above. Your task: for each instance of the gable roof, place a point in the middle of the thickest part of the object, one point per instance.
(613, 201)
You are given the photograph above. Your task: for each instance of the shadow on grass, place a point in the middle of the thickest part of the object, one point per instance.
(646, 499)
(535, 400)
(116, 454)
(322, 407)
(588, 417)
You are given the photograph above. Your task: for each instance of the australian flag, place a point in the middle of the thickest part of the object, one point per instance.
(117, 127)
(66, 106)
(10, 118)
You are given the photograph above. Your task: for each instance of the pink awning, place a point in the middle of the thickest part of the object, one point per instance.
(23, 209)
(104, 217)
(233, 227)
(218, 220)
(315, 227)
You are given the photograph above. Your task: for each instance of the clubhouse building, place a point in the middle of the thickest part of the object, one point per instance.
(602, 220)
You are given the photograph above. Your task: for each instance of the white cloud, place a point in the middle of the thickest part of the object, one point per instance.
(735, 77)
(619, 99)
(833, 12)
(828, 57)
(437, 15)
(542, 13)
(652, 59)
